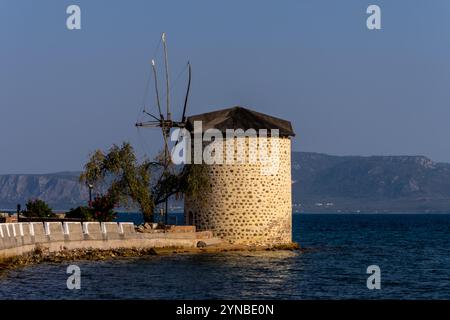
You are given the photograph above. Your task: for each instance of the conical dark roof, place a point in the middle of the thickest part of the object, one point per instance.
(240, 118)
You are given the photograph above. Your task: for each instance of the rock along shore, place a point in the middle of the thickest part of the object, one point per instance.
(42, 254)
(30, 243)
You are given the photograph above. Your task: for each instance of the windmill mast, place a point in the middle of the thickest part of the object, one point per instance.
(183, 117)
(166, 62)
(166, 129)
(156, 88)
(166, 123)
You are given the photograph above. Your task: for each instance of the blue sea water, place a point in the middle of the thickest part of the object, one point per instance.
(412, 251)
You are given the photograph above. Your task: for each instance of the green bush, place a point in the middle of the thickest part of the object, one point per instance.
(103, 208)
(38, 208)
(82, 213)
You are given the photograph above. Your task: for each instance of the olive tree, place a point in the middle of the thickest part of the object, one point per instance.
(146, 183)
(38, 208)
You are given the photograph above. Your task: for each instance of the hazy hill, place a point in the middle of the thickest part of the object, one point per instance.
(377, 183)
(62, 190)
(321, 183)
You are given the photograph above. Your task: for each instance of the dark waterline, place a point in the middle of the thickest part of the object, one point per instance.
(413, 252)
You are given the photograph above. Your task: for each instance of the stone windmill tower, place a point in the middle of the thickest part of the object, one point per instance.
(248, 201)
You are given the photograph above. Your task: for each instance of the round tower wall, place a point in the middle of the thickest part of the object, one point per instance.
(247, 202)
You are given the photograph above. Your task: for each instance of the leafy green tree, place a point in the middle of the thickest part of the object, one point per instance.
(38, 208)
(146, 183)
(82, 213)
(103, 208)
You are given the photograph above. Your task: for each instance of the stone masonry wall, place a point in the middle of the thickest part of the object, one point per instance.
(244, 206)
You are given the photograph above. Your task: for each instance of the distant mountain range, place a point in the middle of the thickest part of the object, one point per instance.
(61, 190)
(321, 183)
(327, 183)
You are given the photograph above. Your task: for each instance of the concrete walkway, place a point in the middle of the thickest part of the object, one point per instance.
(21, 238)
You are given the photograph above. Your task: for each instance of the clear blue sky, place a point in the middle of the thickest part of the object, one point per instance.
(347, 90)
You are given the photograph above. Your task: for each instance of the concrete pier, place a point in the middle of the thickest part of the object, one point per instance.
(21, 238)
